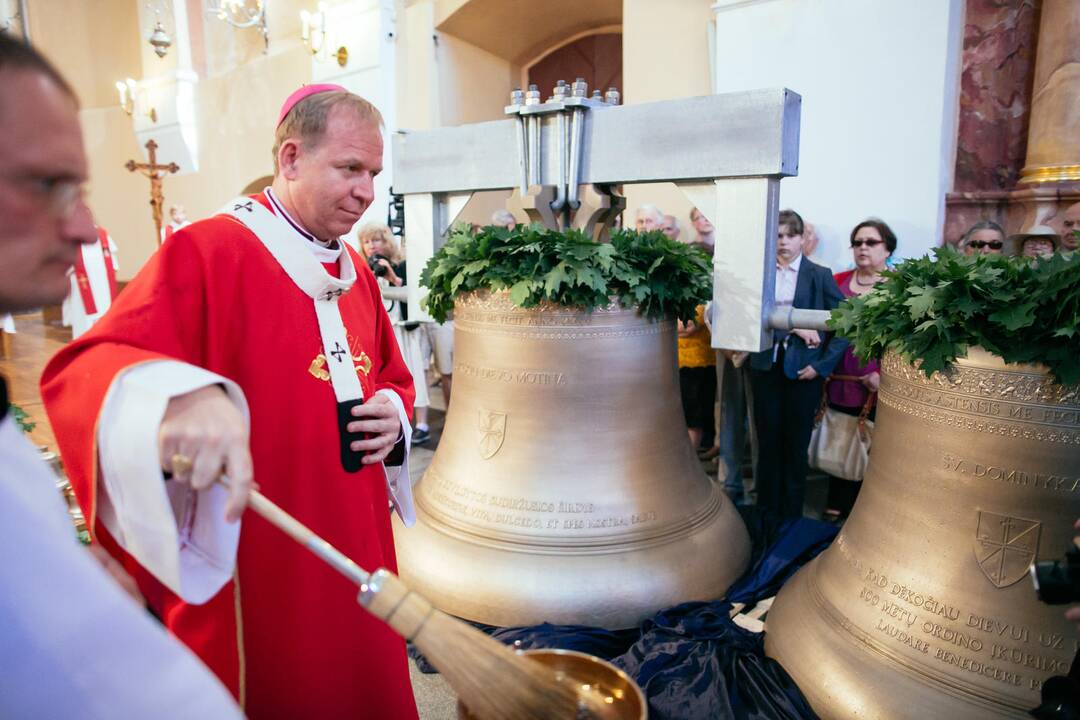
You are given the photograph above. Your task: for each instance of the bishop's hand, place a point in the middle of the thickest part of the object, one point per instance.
(378, 418)
(203, 436)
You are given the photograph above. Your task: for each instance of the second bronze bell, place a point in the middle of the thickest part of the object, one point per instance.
(922, 606)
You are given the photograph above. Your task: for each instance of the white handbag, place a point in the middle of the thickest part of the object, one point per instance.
(840, 443)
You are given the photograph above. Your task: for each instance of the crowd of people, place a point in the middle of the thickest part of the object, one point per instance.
(774, 398)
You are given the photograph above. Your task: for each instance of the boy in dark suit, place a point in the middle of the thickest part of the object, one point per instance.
(787, 378)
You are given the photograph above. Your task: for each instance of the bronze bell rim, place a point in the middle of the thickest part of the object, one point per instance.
(961, 688)
(905, 679)
(636, 601)
(580, 546)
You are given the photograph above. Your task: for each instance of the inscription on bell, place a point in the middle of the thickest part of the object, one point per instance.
(947, 401)
(942, 637)
(973, 665)
(1029, 659)
(1057, 416)
(983, 406)
(1011, 475)
(505, 375)
(520, 319)
(531, 513)
(903, 637)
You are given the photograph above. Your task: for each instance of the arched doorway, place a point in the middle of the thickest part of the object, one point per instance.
(596, 57)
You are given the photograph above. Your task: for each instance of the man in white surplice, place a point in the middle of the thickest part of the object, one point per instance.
(99, 273)
(72, 643)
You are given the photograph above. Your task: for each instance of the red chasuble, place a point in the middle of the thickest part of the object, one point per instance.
(286, 636)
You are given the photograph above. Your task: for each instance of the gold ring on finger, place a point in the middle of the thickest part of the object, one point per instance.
(181, 464)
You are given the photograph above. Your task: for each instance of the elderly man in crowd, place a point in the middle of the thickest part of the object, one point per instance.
(670, 227)
(503, 218)
(1071, 227)
(648, 218)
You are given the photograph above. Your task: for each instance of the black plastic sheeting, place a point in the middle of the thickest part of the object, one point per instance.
(691, 661)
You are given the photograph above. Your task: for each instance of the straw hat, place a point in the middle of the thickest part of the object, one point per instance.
(1044, 232)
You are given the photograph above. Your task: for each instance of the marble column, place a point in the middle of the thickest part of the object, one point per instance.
(997, 70)
(1018, 145)
(1053, 150)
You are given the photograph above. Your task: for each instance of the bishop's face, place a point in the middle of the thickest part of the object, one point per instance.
(332, 183)
(43, 217)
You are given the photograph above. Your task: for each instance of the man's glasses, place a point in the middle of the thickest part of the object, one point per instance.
(61, 196)
(859, 242)
(992, 244)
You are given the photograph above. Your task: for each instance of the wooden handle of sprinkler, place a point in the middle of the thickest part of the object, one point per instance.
(299, 532)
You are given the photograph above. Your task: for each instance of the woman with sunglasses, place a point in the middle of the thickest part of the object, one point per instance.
(985, 237)
(852, 384)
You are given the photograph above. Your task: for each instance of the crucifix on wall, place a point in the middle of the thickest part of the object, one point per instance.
(153, 170)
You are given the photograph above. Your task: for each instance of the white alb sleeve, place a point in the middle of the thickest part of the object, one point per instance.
(398, 484)
(177, 533)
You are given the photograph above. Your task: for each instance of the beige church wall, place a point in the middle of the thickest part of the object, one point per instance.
(81, 40)
(236, 100)
(464, 99)
(443, 80)
(417, 86)
(236, 113)
(93, 45)
(665, 56)
(879, 81)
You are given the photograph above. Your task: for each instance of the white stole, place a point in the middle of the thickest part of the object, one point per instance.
(311, 277)
(279, 238)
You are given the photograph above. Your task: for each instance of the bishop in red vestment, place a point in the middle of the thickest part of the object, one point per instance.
(227, 304)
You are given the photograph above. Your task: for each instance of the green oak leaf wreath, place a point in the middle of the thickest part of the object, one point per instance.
(649, 271)
(931, 309)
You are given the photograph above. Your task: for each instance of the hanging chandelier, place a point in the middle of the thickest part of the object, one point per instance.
(242, 14)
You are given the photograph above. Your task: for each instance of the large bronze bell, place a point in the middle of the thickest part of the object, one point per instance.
(564, 488)
(922, 607)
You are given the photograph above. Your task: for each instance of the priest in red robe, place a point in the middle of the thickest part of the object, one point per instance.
(93, 283)
(254, 344)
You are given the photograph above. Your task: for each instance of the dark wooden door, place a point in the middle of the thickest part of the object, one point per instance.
(597, 58)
